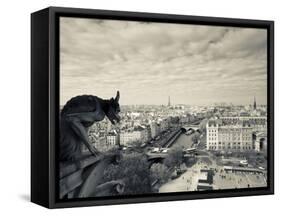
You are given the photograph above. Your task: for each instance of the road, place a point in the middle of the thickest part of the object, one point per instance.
(222, 180)
(186, 182)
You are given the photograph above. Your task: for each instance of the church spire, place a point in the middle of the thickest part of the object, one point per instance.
(169, 101)
(255, 103)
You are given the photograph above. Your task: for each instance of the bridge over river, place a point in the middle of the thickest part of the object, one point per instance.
(179, 139)
(169, 140)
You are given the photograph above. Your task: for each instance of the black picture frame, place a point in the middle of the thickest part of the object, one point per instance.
(45, 105)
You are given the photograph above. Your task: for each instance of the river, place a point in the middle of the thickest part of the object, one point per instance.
(188, 180)
(184, 141)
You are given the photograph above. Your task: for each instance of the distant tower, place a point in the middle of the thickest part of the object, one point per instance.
(169, 101)
(255, 103)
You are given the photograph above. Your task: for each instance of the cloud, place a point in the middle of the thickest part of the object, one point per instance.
(148, 61)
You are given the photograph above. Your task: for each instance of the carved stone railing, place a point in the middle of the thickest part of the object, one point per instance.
(83, 178)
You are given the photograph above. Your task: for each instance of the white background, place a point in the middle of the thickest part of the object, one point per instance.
(15, 107)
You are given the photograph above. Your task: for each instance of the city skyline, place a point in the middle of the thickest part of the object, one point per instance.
(147, 62)
(178, 104)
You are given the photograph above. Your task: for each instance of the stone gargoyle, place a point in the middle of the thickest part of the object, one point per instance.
(80, 173)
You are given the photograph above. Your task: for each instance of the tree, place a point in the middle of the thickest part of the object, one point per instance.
(175, 120)
(159, 172)
(136, 145)
(195, 138)
(174, 158)
(202, 125)
(134, 170)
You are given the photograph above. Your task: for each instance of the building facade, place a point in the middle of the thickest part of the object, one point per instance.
(112, 139)
(261, 141)
(258, 123)
(164, 125)
(229, 137)
(155, 129)
(127, 137)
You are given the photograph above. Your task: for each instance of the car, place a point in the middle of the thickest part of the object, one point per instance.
(154, 150)
(261, 168)
(143, 145)
(243, 163)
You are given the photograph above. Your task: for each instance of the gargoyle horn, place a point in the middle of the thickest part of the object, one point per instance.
(117, 96)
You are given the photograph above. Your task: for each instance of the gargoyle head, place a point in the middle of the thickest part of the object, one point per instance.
(114, 109)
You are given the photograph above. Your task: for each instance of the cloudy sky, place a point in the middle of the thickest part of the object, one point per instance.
(147, 62)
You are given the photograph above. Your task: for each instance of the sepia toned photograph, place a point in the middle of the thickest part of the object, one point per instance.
(150, 107)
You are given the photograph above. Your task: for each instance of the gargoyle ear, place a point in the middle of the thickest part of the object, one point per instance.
(117, 96)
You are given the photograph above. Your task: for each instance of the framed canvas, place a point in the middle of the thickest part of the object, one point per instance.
(138, 107)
